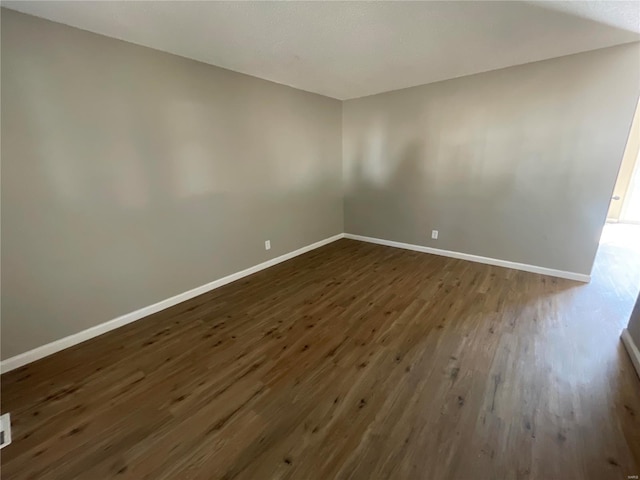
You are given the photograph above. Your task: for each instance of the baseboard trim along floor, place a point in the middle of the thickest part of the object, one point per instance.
(66, 342)
(475, 258)
(632, 349)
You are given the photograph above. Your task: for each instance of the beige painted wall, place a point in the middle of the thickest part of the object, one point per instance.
(626, 169)
(131, 175)
(516, 164)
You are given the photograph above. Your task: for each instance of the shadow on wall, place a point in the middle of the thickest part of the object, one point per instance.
(515, 164)
(390, 189)
(130, 175)
(418, 191)
(129, 216)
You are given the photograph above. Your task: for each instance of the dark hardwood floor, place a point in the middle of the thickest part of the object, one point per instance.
(352, 361)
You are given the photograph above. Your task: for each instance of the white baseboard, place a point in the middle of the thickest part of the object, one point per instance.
(66, 342)
(632, 349)
(475, 258)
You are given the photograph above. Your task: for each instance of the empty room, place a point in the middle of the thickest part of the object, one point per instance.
(320, 240)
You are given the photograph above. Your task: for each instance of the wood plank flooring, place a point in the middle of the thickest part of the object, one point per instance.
(354, 361)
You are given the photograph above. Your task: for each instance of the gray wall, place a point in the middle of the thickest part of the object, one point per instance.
(515, 164)
(131, 175)
(634, 324)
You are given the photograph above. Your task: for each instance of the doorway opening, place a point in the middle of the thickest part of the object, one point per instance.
(625, 203)
(619, 249)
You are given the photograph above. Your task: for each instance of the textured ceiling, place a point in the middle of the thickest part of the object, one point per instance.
(352, 49)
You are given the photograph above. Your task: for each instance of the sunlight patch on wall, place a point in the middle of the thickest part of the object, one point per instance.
(189, 153)
(377, 167)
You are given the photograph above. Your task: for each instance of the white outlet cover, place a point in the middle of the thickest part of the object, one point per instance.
(267, 245)
(434, 234)
(5, 430)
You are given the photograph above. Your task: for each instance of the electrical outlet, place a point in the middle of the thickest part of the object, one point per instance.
(5, 430)
(434, 234)
(267, 245)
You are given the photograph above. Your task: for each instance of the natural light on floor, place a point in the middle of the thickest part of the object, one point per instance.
(625, 235)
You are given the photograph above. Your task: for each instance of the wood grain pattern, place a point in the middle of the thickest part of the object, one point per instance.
(352, 361)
